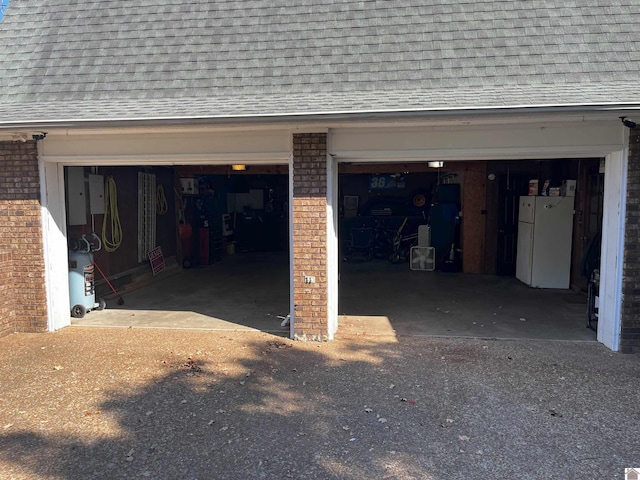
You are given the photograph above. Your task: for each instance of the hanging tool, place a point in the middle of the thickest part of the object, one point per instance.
(120, 299)
(111, 218)
(162, 206)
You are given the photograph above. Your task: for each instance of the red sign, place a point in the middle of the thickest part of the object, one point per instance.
(157, 260)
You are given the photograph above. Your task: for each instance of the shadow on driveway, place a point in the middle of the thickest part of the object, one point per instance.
(111, 404)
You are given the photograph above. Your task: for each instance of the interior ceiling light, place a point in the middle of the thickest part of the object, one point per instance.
(238, 168)
(436, 164)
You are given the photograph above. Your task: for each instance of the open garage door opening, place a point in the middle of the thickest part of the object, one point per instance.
(202, 247)
(492, 249)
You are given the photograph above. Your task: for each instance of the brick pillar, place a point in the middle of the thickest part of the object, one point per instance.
(25, 310)
(7, 294)
(630, 311)
(309, 231)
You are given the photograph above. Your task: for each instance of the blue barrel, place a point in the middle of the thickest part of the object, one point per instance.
(82, 291)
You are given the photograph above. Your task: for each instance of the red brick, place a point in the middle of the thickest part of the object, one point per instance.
(309, 236)
(21, 251)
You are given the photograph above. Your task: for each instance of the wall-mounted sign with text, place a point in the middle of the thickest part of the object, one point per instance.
(387, 182)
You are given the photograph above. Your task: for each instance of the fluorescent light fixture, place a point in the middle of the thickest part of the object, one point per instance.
(436, 164)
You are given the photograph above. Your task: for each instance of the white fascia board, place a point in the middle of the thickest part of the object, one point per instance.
(472, 154)
(315, 125)
(169, 160)
(176, 148)
(478, 142)
(288, 119)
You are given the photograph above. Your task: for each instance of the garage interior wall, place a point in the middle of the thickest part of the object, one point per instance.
(125, 183)
(486, 189)
(254, 202)
(217, 212)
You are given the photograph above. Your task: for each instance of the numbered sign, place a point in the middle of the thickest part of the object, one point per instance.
(386, 182)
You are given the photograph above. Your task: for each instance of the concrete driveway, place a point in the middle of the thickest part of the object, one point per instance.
(174, 404)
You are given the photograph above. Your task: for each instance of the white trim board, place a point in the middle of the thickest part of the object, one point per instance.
(332, 243)
(488, 142)
(612, 257)
(54, 233)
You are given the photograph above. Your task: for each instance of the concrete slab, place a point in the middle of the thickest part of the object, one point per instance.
(242, 292)
(251, 292)
(456, 304)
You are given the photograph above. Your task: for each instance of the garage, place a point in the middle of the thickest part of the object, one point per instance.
(466, 104)
(233, 225)
(211, 206)
(489, 167)
(224, 232)
(269, 241)
(197, 241)
(463, 281)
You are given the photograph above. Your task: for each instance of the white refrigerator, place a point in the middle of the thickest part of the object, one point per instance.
(545, 227)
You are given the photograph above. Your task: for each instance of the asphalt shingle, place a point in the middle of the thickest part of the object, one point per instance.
(155, 58)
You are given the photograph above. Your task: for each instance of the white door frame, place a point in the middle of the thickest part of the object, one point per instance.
(332, 242)
(612, 256)
(54, 233)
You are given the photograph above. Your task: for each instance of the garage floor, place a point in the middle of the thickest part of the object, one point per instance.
(251, 291)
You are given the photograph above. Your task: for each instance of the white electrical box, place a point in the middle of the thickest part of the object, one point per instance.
(76, 196)
(96, 194)
(188, 186)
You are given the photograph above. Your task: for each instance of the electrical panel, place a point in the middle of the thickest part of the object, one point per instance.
(96, 194)
(76, 196)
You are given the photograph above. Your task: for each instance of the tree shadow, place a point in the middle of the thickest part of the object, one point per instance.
(356, 409)
(275, 412)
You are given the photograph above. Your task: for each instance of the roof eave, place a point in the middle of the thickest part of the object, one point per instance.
(312, 117)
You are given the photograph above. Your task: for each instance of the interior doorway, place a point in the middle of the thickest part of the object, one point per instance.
(510, 187)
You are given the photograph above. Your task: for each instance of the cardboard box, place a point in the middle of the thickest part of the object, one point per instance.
(554, 192)
(545, 187)
(568, 188)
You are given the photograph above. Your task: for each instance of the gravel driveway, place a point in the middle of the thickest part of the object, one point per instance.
(172, 404)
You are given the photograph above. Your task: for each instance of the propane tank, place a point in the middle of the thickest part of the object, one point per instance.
(82, 292)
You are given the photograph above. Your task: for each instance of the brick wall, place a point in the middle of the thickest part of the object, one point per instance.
(7, 317)
(310, 236)
(630, 313)
(23, 306)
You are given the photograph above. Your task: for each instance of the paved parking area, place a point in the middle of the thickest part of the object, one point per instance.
(95, 403)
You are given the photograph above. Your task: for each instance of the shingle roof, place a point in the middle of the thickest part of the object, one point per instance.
(83, 59)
